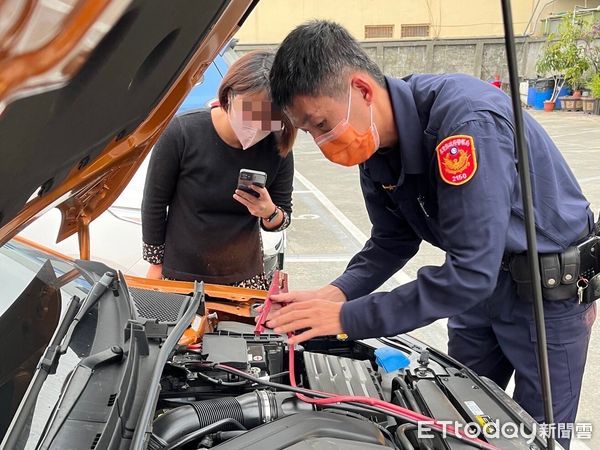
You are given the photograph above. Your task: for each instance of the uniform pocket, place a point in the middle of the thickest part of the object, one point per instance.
(568, 340)
(570, 328)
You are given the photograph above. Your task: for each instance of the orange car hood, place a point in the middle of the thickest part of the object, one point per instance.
(86, 89)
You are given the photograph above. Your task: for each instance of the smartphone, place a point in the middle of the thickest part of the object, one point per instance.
(249, 177)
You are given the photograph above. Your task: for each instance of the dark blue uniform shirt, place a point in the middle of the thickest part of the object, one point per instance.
(475, 223)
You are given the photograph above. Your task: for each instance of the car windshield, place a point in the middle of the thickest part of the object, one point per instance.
(19, 265)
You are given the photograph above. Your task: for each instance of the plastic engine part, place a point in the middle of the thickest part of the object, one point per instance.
(293, 430)
(343, 376)
(232, 351)
(391, 359)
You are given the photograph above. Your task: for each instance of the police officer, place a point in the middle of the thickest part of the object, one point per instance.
(437, 163)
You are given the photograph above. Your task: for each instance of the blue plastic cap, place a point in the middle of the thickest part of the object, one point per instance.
(390, 359)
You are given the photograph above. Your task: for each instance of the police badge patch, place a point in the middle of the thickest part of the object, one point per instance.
(457, 160)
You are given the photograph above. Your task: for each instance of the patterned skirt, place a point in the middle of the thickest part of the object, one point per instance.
(259, 281)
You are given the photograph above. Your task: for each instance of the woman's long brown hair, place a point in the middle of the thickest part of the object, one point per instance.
(249, 75)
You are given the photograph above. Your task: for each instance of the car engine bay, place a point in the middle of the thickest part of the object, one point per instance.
(164, 369)
(233, 391)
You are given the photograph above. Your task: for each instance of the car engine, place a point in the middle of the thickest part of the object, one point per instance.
(196, 395)
(144, 368)
(250, 405)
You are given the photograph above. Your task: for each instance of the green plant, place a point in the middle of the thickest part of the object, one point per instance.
(594, 85)
(563, 58)
(591, 48)
(578, 65)
(552, 63)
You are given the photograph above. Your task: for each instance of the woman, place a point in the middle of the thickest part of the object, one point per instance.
(196, 225)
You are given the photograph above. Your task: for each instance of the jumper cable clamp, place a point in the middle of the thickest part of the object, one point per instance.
(279, 285)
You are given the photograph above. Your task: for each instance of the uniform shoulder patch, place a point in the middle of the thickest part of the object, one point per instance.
(457, 160)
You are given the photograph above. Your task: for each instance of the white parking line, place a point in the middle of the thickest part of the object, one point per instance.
(588, 179)
(586, 150)
(401, 277)
(575, 133)
(317, 259)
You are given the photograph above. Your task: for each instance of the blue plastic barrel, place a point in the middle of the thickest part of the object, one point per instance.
(542, 91)
(531, 95)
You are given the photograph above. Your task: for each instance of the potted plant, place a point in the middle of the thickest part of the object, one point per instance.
(549, 105)
(575, 75)
(552, 62)
(564, 60)
(576, 83)
(591, 105)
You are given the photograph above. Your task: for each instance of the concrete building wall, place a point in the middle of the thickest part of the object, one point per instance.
(481, 57)
(273, 19)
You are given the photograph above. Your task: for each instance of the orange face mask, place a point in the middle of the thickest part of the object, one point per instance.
(346, 146)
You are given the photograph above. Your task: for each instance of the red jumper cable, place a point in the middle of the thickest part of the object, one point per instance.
(279, 285)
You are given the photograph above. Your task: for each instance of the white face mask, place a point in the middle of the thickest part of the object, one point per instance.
(246, 134)
(249, 133)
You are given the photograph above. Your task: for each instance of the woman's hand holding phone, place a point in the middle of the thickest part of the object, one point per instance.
(261, 206)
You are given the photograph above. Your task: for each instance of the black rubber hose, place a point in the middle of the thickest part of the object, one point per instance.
(250, 410)
(412, 401)
(399, 397)
(204, 431)
(180, 421)
(210, 411)
(403, 440)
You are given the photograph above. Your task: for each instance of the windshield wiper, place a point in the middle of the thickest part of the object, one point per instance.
(145, 416)
(76, 385)
(98, 290)
(46, 367)
(76, 310)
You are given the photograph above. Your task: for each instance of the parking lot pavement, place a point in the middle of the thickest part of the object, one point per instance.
(330, 224)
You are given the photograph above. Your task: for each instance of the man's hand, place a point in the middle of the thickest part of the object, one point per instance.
(317, 309)
(154, 272)
(321, 317)
(329, 292)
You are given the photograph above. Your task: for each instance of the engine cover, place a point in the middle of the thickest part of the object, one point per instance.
(343, 376)
(296, 431)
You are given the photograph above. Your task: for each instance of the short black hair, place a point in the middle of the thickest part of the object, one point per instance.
(314, 59)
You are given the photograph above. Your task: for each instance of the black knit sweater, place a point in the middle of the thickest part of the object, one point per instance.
(188, 203)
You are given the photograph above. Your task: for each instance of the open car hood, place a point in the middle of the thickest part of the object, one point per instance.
(86, 89)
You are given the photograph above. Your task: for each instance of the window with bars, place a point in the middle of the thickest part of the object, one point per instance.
(379, 31)
(417, 30)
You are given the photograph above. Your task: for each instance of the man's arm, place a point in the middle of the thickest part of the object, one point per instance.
(474, 220)
(392, 243)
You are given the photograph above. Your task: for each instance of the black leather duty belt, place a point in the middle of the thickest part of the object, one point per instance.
(574, 273)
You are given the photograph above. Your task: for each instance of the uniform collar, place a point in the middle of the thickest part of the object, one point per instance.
(408, 125)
